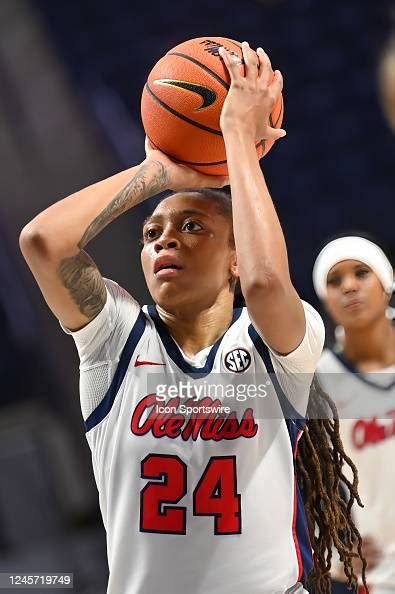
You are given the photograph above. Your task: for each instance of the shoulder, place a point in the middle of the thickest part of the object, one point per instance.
(329, 362)
(111, 326)
(305, 357)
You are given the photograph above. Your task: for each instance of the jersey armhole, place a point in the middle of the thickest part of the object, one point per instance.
(107, 402)
(294, 420)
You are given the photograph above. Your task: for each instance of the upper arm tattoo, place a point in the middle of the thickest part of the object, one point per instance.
(80, 275)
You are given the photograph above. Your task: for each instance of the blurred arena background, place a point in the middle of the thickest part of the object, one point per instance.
(71, 75)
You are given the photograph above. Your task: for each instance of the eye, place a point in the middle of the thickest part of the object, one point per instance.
(362, 272)
(150, 233)
(191, 226)
(333, 281)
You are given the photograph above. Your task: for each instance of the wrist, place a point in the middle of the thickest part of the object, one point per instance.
(237, 131)
(156, 174)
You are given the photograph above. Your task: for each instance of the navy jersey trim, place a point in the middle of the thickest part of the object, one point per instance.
(102, 410)
(174, 352)
(289, 412)
(352, 368)
(295, 424)
(302, 536)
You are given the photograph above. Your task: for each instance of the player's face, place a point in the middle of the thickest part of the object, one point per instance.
(187, 258)
(355, 296)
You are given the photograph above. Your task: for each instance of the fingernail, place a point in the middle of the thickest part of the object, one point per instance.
(283, 133)
(260, 50)
(246, 43)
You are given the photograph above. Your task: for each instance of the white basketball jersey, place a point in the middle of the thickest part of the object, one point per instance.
(366, 408)
(195, 471)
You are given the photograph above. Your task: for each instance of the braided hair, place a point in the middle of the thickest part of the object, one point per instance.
(319, 463)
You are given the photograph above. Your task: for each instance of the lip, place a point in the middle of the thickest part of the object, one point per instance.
(353, 304)
(167, 272)
(161, 261)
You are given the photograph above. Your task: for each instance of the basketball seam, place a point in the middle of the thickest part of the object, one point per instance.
(220, 80)
(203, 67)
(281, 112)
(205, 164)
(234, 43)
(180, 115)
(274, 124)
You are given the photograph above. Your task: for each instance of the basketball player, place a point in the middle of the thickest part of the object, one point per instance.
(198, 493)
(354, 278)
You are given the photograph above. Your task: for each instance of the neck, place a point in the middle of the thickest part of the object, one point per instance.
(371, 347)
(196, 327)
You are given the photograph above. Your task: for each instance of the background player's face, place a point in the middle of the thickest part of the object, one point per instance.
(187, 231)
(355, 296)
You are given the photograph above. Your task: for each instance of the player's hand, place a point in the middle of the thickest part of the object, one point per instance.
(181, 177)
(251, 98)
(372, 553)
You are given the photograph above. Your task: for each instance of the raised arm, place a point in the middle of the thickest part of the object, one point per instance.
(272, 302)
(53, 242)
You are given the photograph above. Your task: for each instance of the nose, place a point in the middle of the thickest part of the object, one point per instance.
(349, 283)
(166, 240)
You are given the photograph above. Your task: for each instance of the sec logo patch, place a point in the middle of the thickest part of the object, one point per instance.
(237, 360)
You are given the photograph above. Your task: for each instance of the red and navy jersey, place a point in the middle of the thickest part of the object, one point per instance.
(366, 409)
(194, 458)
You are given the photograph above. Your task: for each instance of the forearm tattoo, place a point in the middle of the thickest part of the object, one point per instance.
(138, 189)
(79, 274)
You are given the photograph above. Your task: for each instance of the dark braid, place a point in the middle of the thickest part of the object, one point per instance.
(320, 461)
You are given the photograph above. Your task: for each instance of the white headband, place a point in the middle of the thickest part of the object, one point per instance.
(352, 248)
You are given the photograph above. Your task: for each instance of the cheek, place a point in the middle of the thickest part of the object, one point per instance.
(333, 303)
(377, 297)
(145, 260)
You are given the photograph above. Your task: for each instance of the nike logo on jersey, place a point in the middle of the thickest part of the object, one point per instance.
(208, 95)
(137, 362)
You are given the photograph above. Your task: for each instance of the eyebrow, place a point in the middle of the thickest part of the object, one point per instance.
(355, 267)
(185, 211)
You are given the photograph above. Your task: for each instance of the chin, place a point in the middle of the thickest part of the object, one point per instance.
(357, 321)
(169, 296)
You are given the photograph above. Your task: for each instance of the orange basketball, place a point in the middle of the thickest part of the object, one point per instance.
(182, 102)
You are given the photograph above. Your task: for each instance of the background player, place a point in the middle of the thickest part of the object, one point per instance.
(160, 534)
(354, 279)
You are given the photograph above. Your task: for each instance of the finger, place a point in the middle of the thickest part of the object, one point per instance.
(274, 134)
(277, 84)
(231, 62)
(372, 562)
(250, 60)
(372, 551)
(265, 66)
(149, 146)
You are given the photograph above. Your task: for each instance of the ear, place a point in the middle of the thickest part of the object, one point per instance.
(233, 267)
(387, 298)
